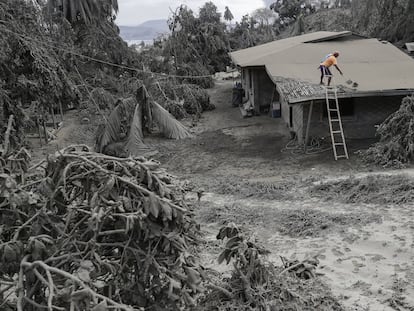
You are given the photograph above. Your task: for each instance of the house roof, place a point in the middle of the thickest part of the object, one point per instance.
(253, 56)
(378, 67)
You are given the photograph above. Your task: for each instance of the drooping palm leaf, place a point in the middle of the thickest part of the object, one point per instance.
(112, 129)
(167, 124)
(135, 144)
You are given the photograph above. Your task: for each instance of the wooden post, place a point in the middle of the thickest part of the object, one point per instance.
(271, 103)
(39, 130)
(7, 134)
(44, 126)
(61, 110)
(308, 125)
(53, 116)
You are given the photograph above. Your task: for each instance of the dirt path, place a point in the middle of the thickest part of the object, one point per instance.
(72, 132)
(251, 179)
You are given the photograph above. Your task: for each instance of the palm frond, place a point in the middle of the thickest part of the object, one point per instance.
(111, 131)
(135, 144)
(167, 124)
(82, 11)
(74, 9)
(114, 5)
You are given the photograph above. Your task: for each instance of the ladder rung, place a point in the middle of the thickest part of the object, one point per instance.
(330, 109)
(339, 144)
(335, 120)
(341, 156)
(336, 132)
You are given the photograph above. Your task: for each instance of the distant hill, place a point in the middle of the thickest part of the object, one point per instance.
(145, 31)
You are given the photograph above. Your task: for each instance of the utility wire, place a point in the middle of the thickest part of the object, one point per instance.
(165, 75)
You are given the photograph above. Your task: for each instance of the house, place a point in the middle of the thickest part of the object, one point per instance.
(285, 73)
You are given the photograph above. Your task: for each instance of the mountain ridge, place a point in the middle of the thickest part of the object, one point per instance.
(147, 30)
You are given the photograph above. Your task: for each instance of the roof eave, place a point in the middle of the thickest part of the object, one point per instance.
(302, 100)
(331, 37)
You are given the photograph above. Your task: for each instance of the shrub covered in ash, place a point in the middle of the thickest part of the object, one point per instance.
(396, 144)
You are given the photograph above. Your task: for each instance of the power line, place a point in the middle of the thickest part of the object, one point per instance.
(165, 75)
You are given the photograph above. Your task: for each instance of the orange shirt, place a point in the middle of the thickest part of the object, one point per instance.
(331, 60)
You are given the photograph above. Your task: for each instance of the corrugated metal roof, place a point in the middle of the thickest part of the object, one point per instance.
(296, 91)
(376, 66)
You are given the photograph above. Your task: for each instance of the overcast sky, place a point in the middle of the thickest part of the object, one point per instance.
(135, 12)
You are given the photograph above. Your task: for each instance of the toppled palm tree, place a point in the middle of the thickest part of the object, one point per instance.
(126, 124)
(83, 10)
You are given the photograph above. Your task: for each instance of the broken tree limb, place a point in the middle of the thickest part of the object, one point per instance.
(7, 135)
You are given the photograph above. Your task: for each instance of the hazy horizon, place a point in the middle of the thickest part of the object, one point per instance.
(134, 13)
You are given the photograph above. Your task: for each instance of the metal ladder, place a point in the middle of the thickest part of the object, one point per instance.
(335, 123)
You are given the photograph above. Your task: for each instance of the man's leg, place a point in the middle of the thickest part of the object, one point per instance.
(329, 74)
(322, 74)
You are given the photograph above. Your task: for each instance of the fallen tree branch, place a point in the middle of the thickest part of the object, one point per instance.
(7, 135)
(49, 269)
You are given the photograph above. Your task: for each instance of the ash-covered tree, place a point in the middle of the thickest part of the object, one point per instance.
(32, 74)
(241, 36)
(228, 16)
(87, 11)
(266, 27)
(95, 35)
(197, 44)
(391, 20)
(288, 10)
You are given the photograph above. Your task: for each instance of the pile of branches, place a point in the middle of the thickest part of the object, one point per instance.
(396, 144)
(256, 284)
(373, 189)
(96, 233)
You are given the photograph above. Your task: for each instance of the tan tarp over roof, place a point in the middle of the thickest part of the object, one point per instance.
(254, 55)
(377, 67)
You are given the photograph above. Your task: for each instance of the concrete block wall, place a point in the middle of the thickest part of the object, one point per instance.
(285, 111)
(298, 125)
(368, 112)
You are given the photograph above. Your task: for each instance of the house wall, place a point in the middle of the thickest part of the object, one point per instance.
(368, 112)
(259, 86)
(298, 126)
(285, 110)
(293, 116)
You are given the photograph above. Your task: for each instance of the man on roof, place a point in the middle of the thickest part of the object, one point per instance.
(331, 60)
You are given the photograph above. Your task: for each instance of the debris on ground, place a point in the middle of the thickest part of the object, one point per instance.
(257, 284)
(305, 222)
(280, 190)
(375, 189)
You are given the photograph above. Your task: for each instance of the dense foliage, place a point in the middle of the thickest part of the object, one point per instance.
(391, 20)
(396, 133)
(32, 75)
(96, 232)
